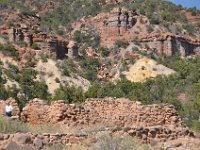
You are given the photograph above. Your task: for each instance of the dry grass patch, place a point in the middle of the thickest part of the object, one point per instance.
(8, 125)
(118, 142)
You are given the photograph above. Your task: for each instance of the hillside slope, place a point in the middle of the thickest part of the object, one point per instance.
(75, 54)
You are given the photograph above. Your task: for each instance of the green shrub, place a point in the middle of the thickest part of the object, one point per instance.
(35, 46)
(136, 41)
(44, 58)
(1, 47)
(194, 13)
(67, 67)
(194, 124)
(104, 52)
(57, 80)
(121, 43)
(88, 38)
(90, 64)
(190, 28)
(135, 49)
(154, 20)
(9, 50)
(66, 72)
(3, 92)
(22, 44)
(70, 94)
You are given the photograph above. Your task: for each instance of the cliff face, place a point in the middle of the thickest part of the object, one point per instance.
(114, 26)
(168, 44)
(27, 30)
(51, 44)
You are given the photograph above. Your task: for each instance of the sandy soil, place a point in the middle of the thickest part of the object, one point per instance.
(48, 72)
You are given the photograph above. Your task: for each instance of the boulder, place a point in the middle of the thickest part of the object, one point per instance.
(1, 137)
(73, 140)
(22, 138)
(38, 143)
(15, 146)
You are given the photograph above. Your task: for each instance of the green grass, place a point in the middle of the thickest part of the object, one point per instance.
(195, 125)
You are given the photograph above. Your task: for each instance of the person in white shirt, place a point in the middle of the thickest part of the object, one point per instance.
(8, 110)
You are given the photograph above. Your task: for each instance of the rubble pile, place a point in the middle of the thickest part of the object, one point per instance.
(158, 123)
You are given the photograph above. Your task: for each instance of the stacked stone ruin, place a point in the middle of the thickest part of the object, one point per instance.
(121, 112)
(38, 111)
(157, 122)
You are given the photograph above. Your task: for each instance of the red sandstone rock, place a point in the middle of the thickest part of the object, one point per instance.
(73, 140)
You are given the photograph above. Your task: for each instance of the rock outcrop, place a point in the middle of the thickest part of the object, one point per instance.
(169, 44)
(124, 24)
(112, 26)
(27, 30)
(72, 49)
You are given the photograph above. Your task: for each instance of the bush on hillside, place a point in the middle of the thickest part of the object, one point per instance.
(121, 43)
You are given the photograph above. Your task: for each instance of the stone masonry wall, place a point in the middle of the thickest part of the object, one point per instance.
(121, 112)
(150, 123)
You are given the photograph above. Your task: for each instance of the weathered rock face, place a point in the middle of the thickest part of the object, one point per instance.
(113, 26)
(16, 110)
(169, 44)
(26, 30)
(121, 112)
(72, 49)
